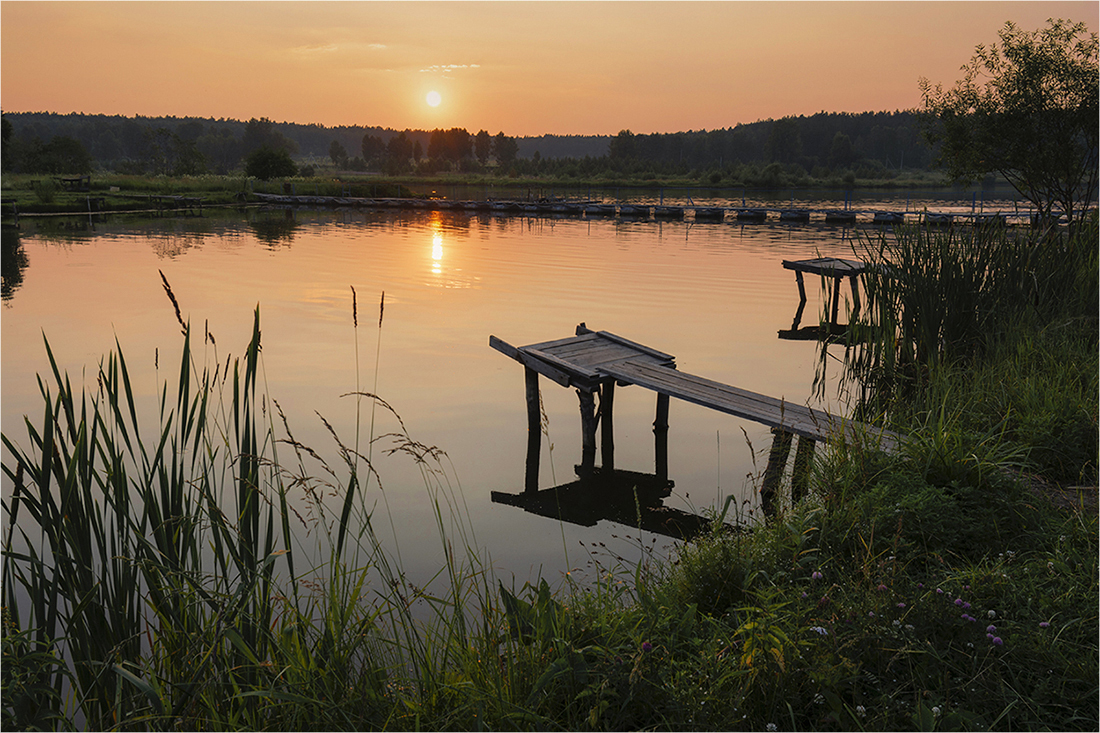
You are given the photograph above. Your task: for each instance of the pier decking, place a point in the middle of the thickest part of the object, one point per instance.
(595, 361)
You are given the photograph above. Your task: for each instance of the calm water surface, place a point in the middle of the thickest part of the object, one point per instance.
(714, 295)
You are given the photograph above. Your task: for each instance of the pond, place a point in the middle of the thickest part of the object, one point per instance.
(715, 295)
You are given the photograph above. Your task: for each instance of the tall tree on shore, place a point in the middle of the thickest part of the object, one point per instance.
(483, 146)
(505, 149)
(1025, 108)
(338, 154)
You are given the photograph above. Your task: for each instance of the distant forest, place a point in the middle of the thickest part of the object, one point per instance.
(871, 145)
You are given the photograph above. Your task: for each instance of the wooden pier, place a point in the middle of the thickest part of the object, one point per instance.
(828, 267)
(594, 362)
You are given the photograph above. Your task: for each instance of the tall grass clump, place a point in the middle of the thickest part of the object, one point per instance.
(994, 326)
(158, 577)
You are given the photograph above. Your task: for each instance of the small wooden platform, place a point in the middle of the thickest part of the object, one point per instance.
(595, 361)
(831, 267)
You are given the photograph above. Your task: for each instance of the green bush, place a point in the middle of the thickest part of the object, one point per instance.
(266, 163)
(45, 190)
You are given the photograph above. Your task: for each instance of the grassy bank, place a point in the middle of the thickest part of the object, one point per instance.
(152, 575)
(116, 192)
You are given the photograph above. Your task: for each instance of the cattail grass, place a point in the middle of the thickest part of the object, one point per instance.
(175, 303)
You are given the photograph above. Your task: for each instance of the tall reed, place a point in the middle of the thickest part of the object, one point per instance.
(938, 296)
(163, 569)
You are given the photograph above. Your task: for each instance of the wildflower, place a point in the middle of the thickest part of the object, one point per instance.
(936, 711)
(1044, 625)
(897, 623)
(861, 711)
(958, 601)
(939, 591)
(816, 575)
(881, 587)
(991, 614)
(818, 699)
(820, 630)
(909, 627)
(770, 726)
(805, 595)
(901, 605)
(871, 614)
(997, 641)
(646, 646)
(968, 617)
(991, 628)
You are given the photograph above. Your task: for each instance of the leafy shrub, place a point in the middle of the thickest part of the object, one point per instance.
(266, 163)
(45, 190)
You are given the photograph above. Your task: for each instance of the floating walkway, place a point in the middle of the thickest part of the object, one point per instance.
(593, 362)
(646, 212)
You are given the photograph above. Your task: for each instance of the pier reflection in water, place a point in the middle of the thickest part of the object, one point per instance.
(626, 497)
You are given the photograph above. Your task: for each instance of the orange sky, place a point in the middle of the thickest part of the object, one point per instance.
(524, 68)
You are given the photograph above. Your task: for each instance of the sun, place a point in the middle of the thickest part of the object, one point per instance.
(433, 99)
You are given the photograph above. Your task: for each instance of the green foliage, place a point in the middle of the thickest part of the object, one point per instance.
(266, 163)
(949, 297)
(45, 190)
(1027, 109)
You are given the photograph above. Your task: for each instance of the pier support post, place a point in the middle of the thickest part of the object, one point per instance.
(534, 430)
(660, 437)
(801, 285)
(836, 300)
(800, 476)
(588, 433)
(607, 431)
(854, 279)
(773, 473)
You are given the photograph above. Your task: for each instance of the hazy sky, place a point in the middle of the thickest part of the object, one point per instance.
(524, 68)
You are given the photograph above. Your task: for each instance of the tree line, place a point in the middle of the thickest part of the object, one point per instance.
(872, 144)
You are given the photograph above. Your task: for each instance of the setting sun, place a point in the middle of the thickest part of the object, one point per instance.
(434, 99)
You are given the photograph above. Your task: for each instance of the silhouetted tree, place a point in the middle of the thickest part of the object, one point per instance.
(483, 146)
(784, 142)
(1027, 109)
(266, 163)
(62, 154)
(338, 154)
(450, 145)
(622, 147)
(505, 149)
(262, 133)
(372, 148)
(8, 132)
(841, 154)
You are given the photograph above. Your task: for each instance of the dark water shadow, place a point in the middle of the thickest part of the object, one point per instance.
(626, 497)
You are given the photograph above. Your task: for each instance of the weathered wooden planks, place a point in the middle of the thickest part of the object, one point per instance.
(595, 361)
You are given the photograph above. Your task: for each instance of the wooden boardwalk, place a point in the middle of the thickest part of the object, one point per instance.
(593, 362)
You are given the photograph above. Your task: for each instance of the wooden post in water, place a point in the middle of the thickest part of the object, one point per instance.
(534, 430)
(800, 475)
(836, 300)
(854, 280)
(660, 437)
(607, 432)
(588, 432)
(773, 473)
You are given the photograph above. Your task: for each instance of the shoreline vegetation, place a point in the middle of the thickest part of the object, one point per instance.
(30, 194)
(151, 577)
